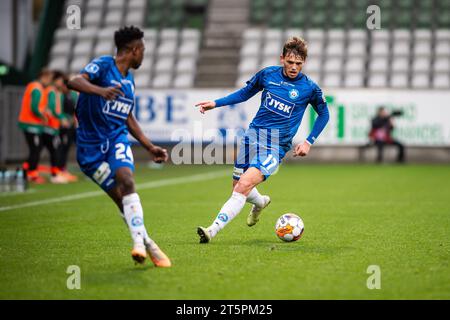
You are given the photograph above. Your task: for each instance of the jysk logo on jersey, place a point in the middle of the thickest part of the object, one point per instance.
(120, 108)
(279, 105)
(293, 94)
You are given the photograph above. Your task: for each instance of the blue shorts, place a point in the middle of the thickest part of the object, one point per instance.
(258, 151)
(100, 162)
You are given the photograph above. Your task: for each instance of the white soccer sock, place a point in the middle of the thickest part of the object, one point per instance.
(254, 197)
(134, 216)
(230, 209)
(147, 240)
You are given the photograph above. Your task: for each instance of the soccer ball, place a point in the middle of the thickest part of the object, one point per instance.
(289, 227)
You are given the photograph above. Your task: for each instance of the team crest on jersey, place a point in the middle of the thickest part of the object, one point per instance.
(279, 105)
(293, 94)
(119, 108)
(92, 68)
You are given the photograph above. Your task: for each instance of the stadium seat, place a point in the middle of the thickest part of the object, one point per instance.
(400, 64)
(333, 64)
(93, 17)
(421, 64)
(169, 34)
(442, 48)
(95, 4)
(422, 47)
(83, 47)
(162, 80)
(377, 80)
(313, 64)
(78, 63)
(188, 48)
(420, 80)
(147, 63)
(289, 33)
(115, 4)
(441, 81)
(250, 48)
(107, 33)
(354, 79)
(88, 33)
(184, 80)
(441, 64)
(167, 47)
(356, 48)
(399, 80)
(248, 65)
(379, 48)
(142, 80)
(335, 47)
(190, 35)
(269, 61)
(104, 47)
(355, 64)
(401, 48)
(252, 34)
(59, 63)
(136, 4)
(61, 47)
(164, 64)
(272, 48)
(331, 80)
(378, 64)
(113, 18)
(135, 17)
(315, 48)
(186, 65)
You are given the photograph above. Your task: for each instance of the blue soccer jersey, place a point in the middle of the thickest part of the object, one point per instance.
(102, 133)
(100, 120)
(283, 103)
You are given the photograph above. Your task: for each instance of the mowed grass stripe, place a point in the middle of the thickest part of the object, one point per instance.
(141, 186)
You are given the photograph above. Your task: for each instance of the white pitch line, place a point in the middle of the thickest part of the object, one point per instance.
(142, 186)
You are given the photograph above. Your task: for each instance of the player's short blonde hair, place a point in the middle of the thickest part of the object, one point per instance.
(296, 46)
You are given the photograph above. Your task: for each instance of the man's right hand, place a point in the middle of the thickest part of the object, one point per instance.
(206, 105)
(111, 93)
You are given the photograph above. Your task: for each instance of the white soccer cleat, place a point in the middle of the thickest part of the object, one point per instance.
(253, 217)
(139, 253)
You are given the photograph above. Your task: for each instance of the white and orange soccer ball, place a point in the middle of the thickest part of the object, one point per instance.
(289, 227)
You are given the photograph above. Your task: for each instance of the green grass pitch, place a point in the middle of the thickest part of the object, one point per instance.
(396, 217)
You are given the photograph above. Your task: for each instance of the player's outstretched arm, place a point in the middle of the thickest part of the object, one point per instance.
(205, 106)
(159, 154)
(81, 83)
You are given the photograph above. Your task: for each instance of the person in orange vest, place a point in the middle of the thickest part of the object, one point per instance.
(67, 133)
(53, 100)
(31, 122)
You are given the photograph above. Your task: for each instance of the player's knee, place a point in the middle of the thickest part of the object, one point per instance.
(127, 185)
(243, 186)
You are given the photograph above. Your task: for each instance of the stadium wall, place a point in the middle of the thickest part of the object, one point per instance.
(169, 117)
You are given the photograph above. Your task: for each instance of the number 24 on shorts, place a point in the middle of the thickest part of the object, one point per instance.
(124, 153)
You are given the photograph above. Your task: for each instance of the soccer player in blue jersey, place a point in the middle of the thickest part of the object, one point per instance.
(286, 92)
(104, 114)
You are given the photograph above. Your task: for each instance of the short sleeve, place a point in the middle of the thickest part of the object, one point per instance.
(95, 69)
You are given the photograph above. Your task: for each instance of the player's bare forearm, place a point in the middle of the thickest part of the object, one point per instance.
(137, 133)
(159, 154)
(81, 83)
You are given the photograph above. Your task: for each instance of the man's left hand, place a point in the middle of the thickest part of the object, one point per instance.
(302, 149)
(159, 154)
